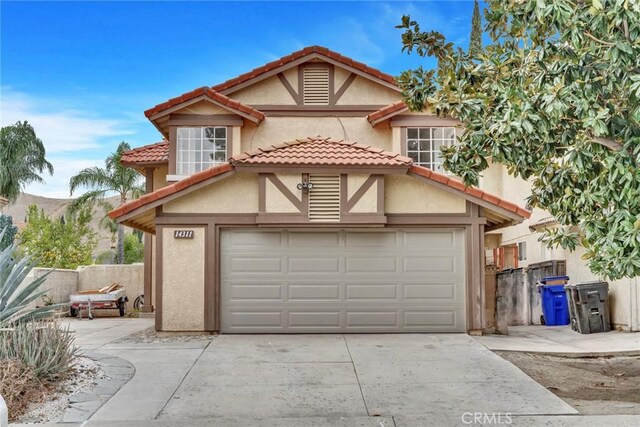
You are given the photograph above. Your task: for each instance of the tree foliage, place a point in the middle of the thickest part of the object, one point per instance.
(555, 98)
(10, 230)
(475, 42)
(58, 243)
(15, 299)
(22, 159)
(133, 249)
(101, 182)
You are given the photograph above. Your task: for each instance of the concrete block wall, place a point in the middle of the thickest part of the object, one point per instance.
(130, 276)
(62, 283)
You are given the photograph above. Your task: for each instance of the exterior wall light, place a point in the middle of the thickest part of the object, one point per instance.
(305, 186)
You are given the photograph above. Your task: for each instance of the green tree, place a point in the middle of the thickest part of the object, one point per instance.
(475, 42)
(554, 98)
(10, 230)
(113, 178)
(22, 159)
(133, 249)
(58, 243)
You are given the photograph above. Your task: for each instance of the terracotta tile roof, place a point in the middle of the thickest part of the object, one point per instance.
(152, 153)
(286, 154)
(170, 189)
(229, 103)
(386, 112)
(475, 192)
(319, 50)
(320, 151)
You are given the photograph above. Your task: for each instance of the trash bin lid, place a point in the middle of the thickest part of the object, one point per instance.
(544, 280)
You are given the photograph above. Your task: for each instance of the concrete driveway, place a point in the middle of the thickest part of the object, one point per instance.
(300, 379)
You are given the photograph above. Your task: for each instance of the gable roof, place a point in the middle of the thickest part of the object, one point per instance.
(300, 56)
(147, 154)
(212, 95)
(387, 112)
(471, 191)
(319, 151)
(304, 152)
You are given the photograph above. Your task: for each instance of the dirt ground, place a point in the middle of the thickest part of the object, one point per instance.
(594, 386)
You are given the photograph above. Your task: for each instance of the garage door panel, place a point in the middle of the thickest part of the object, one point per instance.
(255, 265)
(419, 318)
(314, 292)
(429, 291)
(250, 239)
(369, 240)
(307, 239)
(368, 264)
(424, 264)
(314, 319)
(261, 292)
(314, 264)
(431, 240)
(343, 281)
(254, 319)
(374, 318)
(359, 292)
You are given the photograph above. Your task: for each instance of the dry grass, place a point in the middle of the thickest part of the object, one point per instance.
(20, 387)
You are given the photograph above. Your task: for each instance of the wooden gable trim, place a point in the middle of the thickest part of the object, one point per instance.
(197, 99)
(303, 60)
(343, 88)
(366, 185)
(285, 191)
(297, 96)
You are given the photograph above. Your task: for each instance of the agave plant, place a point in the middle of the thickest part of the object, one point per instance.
(14, 299)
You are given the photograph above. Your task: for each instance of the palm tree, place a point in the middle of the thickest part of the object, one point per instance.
(109, 224)
(113, 178)
(22, 159)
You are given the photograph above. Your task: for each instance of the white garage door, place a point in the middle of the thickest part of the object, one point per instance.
(290, 281)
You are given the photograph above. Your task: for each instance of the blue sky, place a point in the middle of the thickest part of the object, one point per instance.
(83, 72)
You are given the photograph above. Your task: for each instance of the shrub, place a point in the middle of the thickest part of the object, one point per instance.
(133, 249)
(59, 243)
(19, 386)
(14, 296)
(42, 346)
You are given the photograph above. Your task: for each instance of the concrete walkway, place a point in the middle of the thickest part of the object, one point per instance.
(318, 380)
(563, 341)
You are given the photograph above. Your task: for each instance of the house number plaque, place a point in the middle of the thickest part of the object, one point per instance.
(183, 234)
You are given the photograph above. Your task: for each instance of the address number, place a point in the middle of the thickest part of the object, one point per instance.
(183, 234)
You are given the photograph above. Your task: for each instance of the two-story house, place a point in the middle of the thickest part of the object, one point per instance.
(303, 196)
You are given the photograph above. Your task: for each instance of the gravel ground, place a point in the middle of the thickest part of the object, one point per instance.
(86, 372)
(594, 385)
(150, 335)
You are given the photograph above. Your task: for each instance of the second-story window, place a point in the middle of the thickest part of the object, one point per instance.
(199, 148)
(423, 145)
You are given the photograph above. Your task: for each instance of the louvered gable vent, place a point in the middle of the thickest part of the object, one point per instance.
(316, 86)
(324, 198)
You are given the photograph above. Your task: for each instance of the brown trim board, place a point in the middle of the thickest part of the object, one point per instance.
(285, 191)
(343, 88)
(159, 262)
(360, 192)
(295, 95)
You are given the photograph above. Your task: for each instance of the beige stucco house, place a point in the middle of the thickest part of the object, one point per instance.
(303, 196)
(518, 246)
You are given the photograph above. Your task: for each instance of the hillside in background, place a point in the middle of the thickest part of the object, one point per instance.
(55, 208)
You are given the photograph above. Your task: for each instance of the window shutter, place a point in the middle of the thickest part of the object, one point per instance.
(324, 198)
(316, 86)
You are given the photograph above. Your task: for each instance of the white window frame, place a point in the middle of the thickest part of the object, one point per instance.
(421, 146)
(522, 254)
(191, 159)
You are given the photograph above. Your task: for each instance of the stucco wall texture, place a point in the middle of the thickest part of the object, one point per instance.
(183, 280)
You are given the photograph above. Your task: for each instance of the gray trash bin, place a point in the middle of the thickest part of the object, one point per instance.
(589, 307)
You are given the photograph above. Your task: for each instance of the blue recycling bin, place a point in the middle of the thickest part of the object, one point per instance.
(555, 308)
